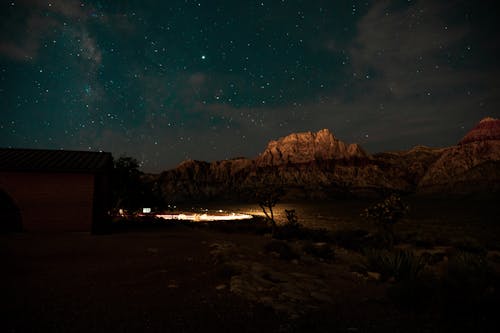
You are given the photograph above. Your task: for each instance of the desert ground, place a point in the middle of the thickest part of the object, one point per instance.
(189, 277)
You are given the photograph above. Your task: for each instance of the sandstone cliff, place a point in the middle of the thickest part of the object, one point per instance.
(307, 147)
(472, 166)
(488, 129)
(319, 166)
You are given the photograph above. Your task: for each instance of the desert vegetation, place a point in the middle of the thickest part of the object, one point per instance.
(450, 279)
(385, 214)
(378, 271)
(453, 281)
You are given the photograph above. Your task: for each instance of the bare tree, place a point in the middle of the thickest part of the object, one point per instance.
(267, 199)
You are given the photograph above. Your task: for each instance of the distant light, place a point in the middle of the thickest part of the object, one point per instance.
(146, 210)
(205, 217)
(203, 57)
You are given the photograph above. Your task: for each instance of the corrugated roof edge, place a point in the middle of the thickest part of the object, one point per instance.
(46, 160)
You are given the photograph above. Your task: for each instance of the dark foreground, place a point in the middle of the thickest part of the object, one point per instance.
(167, 280)
(161, 281)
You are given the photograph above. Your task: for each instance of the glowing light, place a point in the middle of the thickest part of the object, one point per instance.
(146, 210)
(205, 217)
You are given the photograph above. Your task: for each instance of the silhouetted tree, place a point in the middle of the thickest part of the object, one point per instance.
(126, 183)
(268, 198)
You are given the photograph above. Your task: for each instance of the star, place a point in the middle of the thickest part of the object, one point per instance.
(119, 77)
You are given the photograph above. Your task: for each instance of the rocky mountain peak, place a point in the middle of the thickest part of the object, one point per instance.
(307, 147)
(487, 129)
(487, 119)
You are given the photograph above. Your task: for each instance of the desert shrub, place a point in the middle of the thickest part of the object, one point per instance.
(291, 218)
(291, 229)
(352, 239)
(385, 214)
(402, 265)
(283, 249)
(319, 250)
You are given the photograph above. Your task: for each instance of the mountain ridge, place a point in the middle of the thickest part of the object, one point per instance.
(317, 165)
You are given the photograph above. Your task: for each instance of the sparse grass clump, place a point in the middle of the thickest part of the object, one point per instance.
(400, 265)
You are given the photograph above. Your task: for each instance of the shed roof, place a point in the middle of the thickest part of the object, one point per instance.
(54, 160)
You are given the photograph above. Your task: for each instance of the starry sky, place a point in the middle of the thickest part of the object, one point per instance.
(165, 81)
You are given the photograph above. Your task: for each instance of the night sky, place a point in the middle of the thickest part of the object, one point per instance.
(164, 81)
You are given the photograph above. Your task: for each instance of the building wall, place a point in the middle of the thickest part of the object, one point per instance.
(51, 201)
(102, 202)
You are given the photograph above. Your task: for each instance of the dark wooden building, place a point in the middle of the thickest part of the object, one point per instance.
(54, 190)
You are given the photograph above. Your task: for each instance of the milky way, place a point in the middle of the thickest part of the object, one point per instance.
(165, 81)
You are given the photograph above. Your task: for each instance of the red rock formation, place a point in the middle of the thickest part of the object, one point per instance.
(318, 165)
(307, 147)
(473, 166)
(468, 168)
(487, 129)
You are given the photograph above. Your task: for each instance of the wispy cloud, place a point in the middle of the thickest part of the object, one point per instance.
(31, 22)
(404, 72)
(25, 47)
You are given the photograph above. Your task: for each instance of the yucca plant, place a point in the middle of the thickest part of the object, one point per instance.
(402, 265)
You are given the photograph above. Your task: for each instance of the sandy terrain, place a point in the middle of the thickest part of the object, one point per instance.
(184, 279)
